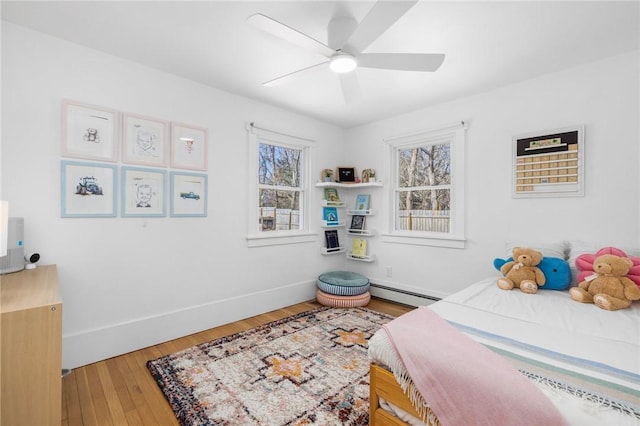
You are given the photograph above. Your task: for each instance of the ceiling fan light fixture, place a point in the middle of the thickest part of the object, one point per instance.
(343, 63)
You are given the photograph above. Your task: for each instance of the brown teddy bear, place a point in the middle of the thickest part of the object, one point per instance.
(522, 272)
(608, 287)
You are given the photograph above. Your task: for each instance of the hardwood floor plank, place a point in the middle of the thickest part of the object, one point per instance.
(120, 391)
(110, 394)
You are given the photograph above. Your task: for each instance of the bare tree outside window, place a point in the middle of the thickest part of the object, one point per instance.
(424, 188)
(279, 184)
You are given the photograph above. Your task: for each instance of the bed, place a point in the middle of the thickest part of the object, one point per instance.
(584, 360)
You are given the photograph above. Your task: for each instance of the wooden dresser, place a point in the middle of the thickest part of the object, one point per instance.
(31, 334)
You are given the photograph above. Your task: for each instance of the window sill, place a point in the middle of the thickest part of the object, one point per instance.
(433, 240)
(262, 240)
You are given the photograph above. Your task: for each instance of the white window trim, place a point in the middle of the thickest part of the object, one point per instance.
(262, 239)
(456, 237)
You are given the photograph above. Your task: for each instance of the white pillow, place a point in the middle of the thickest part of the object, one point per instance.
(559, 249)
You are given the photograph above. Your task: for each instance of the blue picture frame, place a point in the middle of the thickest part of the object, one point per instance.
(88, 189)
(189, 194)
(143, 192)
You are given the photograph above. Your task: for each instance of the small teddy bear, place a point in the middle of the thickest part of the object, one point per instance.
(608, 287)
(522, 272)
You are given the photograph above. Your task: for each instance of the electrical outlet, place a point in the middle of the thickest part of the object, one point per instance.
(389, 271)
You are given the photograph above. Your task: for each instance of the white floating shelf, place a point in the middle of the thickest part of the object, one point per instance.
(338, 224)
(348, 185)
(361, 212)
(362, 232)
(337, 250)
(369, 258)
(326, 203)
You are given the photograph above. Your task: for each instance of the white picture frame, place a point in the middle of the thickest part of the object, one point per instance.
(145, 140)
(188, 147)
(88, 189)
(89, 132)
(549, 163)
(143, 192)
(189, 194)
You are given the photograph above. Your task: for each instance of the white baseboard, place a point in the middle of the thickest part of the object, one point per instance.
(94, 345)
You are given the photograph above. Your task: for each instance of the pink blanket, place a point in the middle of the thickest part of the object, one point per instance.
(463, 382)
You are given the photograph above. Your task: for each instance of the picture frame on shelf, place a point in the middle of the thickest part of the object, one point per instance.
(88, 189)
(359, 248)
(346, 174)
(188, 147)
(362, 202)
(330, 215)
(357, 222)
(331, 195)
(89, 132)
(331, 238)
(189, 194)
(143, 192)
(145, 140)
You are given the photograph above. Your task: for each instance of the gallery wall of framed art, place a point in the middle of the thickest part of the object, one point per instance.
(130, 164)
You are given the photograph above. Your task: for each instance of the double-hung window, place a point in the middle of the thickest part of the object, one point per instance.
(279, 166)
(427, 187)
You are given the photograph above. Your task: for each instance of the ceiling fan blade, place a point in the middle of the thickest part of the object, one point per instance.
(350, 87)
(289, 34)
(402, 61)
(295, 74)
(378, 20)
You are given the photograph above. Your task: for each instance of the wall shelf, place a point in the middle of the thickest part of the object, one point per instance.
(361, 212)
(369, 258)
(362, 232)
(326, 224)
(327, 252)
(348, 185)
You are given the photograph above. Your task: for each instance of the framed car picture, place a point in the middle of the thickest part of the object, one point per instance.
(188, 194)
(88, 189)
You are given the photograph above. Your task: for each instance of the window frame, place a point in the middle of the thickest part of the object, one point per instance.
(455, 135)
(256, 238)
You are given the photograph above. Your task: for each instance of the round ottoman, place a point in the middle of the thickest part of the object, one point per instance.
(342, 301)
(343, 289)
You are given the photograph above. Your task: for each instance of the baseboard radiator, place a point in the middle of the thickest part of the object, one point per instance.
(401, 296)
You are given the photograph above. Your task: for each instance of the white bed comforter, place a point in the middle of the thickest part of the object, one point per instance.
(592, 341)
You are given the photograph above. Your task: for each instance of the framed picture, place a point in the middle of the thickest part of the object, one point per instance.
(188, 147)
(330, 215)
(362, 202)
(87, 189)
(357, 222)
(549, 164)
(145, 140)
(143, 192)
(346, 174)
(331, 195)
(89, 132)
(188, 194)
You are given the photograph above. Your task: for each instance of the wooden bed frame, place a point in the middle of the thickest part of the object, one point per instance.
(384, 385)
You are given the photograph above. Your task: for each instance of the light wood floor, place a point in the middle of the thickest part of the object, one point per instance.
(120, 391)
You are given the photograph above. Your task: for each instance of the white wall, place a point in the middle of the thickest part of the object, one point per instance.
(128, 283)
(603, 96)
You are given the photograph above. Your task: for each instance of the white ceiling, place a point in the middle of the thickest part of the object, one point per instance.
(487, 45)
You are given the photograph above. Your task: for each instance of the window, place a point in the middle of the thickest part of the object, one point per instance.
(279, 165)
(427, 188)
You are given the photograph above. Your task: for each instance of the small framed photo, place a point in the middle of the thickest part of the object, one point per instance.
(145, 141)
(357, 222)
(188, 147)
(89, 132)
(143, 192)
(88, 189)
(189, 194)
(346, 174)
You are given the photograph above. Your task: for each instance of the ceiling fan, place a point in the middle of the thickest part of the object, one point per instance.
(346, 42)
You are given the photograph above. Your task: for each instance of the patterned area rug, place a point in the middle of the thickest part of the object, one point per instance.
(311, 368)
